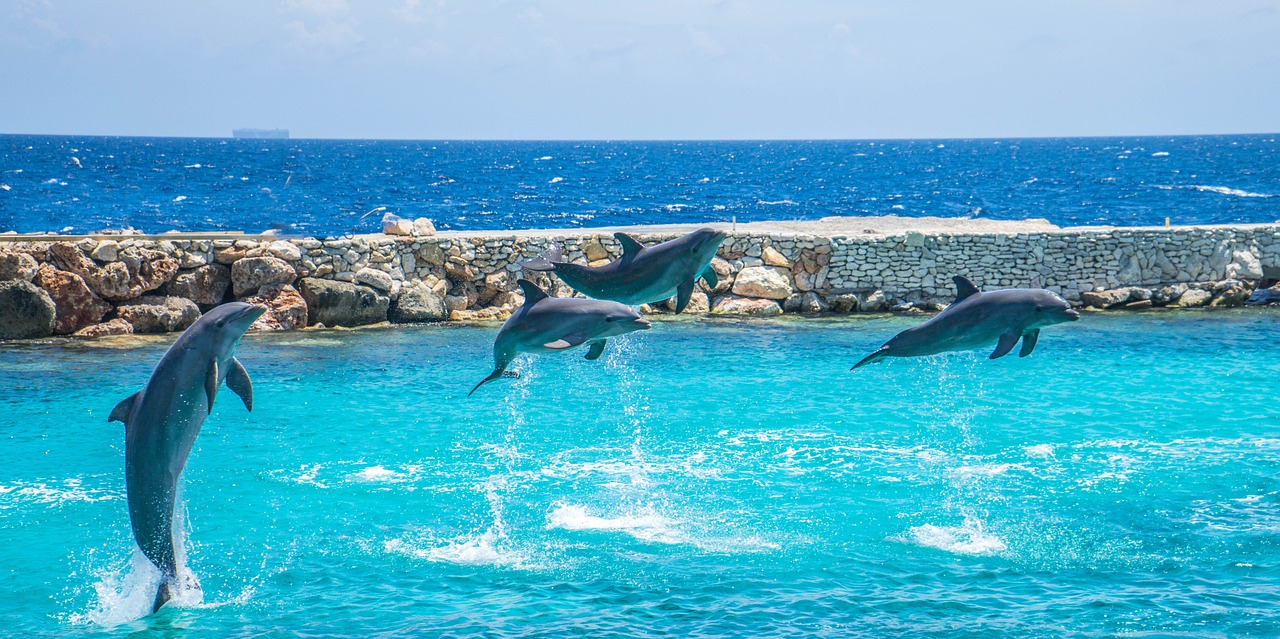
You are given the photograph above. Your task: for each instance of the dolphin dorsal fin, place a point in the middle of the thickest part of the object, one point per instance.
(121, 412)
(532, 292)
(964, 287)
(630, 245)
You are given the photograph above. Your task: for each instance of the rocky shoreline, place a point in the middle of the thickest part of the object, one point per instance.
(111, 284)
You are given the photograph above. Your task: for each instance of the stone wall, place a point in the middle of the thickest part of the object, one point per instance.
(99, 285)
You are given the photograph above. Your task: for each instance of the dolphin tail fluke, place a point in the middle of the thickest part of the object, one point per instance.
(497, 373)
(879, 354)
(163, 595)
(546, 261)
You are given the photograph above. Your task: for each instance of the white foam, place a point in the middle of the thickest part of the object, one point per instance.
(1039, 450)
(193, 166)
(556, 180)
(775, 203)
(645, 524)
(380, 473)
(4, 187)
(983, 470)
(41, 493)
(179, 198)
(1160, 154)
(1220, 190)
(125, 593)
(968, 538)
(675, 207)
(477, 550)
(543, 158)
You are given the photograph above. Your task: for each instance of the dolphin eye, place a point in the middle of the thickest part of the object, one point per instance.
(222, 323)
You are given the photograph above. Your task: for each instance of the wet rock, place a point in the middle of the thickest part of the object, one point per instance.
(286, 310)
(26, 311)
(418, 303)
(1137, 305)
(374, 278)
(1107, 298)
(76, 305)
(763, 282)
(1166, 295)
(736, 305)
(135, 272)
(813, 303)
(252, 273)
(206, 286)
(479, 315)
(116, 326)
(335, 303)
(844, 303)
(17, 266)
(157, 314)
(1193, 298)
(1264, 296)
(792, 303)
(873, 302)
(1230, 293)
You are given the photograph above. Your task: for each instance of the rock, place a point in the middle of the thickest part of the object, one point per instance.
(735, 305)
(137, 271)
(335, 303)
(1264, 296)
(252, 273)
(229, 255)
(1244, 265)
(374, 278)
(1230, 293)
(1107, 298)
(699, 303)
(286, 310)
(595, 251)
(26, 311)
(116, 326)
(1137, 305)
(772, 257)
(206, 286)
(873, 302)
(285, 250)
(157, 314)
(844, 303)
(813, 303)
(423, 227)
(762, 281)
(1166, 295)
(394, 225)
(418, 303)
(792, 303)
(1194, 297)
(479, 315)
(17, 266)
(76, 306)
(431, 254)
(107, 251)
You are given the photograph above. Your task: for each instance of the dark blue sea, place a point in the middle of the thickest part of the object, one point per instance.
(330, 187)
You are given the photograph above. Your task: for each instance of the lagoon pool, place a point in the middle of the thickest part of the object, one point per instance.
(709, 478)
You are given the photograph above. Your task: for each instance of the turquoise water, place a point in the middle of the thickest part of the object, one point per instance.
(711, 478)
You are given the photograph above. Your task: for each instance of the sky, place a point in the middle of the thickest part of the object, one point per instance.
(640, 69)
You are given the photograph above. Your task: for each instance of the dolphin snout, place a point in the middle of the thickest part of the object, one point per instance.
(1072, 313)
(255, 310)
(643, 323)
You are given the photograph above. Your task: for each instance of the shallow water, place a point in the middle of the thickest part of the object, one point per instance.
(706, 478)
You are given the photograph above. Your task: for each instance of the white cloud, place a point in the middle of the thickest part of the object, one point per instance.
(330, 35)
(703, 42)
(324, 8)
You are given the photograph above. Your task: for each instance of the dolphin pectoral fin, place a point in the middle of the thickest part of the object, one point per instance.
(683, 294)
(163, 595)
(239, 383)
(1029, 342)
(709, 276)
(496, 374)
(121, 412)
(596, 349)
(877, 355)
(211, 383)
(964, 287)
(1006, 344)
(630, 245)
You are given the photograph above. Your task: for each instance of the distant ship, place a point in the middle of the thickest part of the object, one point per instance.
(261, 134)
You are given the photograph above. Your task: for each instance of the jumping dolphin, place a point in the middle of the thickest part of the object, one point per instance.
(162, 420)
(547, 324)
(643, 275)
(977, 319)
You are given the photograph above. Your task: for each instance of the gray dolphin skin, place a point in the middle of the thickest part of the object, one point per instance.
(977, 319)
(545, 324)
(162, 420)
(643, 275)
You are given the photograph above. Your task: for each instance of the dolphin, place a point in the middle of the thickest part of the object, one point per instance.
(643, 275)
(162, 420)
(545, 324)
(977, 319)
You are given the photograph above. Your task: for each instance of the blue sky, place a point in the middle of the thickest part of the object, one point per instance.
(616, 69)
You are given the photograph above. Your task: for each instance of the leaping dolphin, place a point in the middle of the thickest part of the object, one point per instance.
(545, 324)
(643, 275)
(162, 420)
(977, 319)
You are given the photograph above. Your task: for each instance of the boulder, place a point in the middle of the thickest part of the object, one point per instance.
(26, 311)
(252, 273)
(107, 251)
(395, 225)
(772, 257)
(844, 303)
(813, 303)
(373, 278)
(1194, 297)
(735, 305)
(423, 227)
(77, 306)
(1264, 296)
(206, 286)
(873, 302)
(158, 314)
(418, 303)
(1230, 293)
(286, 310)
(1107, 298)
(17, 266)
(1166, 295)
(135, 272)
(699, 303)
(116, 326)
(335, 303)
(766, 282)
(285, 250)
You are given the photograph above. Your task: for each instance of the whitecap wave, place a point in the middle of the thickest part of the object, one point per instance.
(968, 538)
(1160, 154)
(42, 493)
(1220, 190)
(485, 549)
(775, 202)
(644, 524)
(556, 180)
(179, 198)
